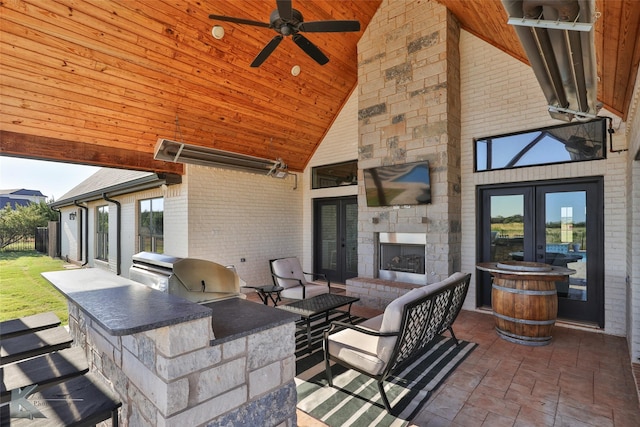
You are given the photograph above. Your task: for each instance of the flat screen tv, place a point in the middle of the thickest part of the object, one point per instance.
(397, 185)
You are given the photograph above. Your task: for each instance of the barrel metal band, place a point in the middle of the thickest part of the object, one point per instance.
(523, 291)
(525, 321)
(521, 339)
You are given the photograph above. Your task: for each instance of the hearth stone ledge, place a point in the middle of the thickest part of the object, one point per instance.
(179, 372)
(377, 293)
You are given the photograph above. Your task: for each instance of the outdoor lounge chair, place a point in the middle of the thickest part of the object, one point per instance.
(387, 343)
(288, 274)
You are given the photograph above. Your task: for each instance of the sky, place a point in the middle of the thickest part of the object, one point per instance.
(53, 179)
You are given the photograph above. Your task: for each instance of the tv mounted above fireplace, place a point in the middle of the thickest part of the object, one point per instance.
(397, 185)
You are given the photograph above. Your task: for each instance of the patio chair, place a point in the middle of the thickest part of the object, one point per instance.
(288, 274)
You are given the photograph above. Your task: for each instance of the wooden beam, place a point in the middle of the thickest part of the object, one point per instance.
(58, 150)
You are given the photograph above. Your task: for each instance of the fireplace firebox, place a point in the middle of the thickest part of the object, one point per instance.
(402, 257)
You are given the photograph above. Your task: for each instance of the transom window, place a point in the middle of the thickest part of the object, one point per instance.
(335, 175)
(102, 233)
(151, 225)
(573, 142)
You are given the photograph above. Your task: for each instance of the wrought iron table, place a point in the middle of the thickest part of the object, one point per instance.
(311, 308)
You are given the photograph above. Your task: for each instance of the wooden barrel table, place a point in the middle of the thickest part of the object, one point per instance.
(524, 299)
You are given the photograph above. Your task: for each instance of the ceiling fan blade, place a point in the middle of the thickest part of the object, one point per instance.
(310, 49)
(266, 51)
(239, 20)
(329, 26)
(284, 9)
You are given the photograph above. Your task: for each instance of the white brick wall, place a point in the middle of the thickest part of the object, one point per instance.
(234, 215)
(501, 95)
(340, 144)
(633, 237)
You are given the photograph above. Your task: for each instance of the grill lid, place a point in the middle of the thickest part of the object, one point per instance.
(154, 259)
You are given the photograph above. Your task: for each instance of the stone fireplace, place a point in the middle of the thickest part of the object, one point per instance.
(402, 257)
(409, 110)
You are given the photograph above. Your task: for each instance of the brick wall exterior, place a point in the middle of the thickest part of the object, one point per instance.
(340, 144)
(233, 215)
(501, 95)
(633, 237)
(408, 110)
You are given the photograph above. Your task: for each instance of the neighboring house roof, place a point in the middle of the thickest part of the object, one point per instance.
(22, 192)
(114, 182)
(20, 197)
(13, 202)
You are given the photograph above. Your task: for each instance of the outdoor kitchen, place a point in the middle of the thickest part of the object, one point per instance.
(177, 362)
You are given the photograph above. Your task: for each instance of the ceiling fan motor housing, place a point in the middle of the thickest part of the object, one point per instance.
(284, 26)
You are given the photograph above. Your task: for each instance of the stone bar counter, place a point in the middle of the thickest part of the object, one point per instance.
(178, 363)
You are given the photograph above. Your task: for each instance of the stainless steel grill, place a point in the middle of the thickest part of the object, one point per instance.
(194, 279)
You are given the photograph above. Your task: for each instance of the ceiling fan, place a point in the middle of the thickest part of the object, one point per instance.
(287, 21)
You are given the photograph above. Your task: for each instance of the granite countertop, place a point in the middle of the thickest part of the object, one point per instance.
(236, 317)
(124, 307)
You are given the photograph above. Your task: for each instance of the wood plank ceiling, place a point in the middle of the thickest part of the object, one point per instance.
(98, 82)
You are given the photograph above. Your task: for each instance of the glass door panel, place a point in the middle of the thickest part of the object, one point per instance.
(553, 223)
(336, 238)
(507, 227)
(328, 232)
(565, 237)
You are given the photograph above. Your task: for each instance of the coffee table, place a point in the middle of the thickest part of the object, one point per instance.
(312, 308)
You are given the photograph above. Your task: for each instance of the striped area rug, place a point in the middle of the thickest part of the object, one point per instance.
(354, 399)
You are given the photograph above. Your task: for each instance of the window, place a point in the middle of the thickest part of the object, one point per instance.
(335, 175)
(102, 233)
(574, 142)
(150, 225)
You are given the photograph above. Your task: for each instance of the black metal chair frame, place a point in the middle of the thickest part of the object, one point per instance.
(423, 319)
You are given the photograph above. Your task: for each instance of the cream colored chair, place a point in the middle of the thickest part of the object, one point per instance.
(288, 274)
(387, 343)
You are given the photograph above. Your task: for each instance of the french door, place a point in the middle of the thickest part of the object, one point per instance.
(556, 223)
(336, 238)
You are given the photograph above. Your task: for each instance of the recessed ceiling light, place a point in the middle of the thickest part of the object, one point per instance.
(217, 32)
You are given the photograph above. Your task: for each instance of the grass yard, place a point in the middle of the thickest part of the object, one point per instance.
(23, 291)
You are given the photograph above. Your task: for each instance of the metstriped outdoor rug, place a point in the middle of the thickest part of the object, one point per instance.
(354, 399)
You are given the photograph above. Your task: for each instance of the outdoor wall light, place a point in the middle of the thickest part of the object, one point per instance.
(72, 216)
(217, 32)
(295, 70)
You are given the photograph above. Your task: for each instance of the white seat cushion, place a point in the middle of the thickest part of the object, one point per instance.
(357, 349)
(311, 290)
(288, 267)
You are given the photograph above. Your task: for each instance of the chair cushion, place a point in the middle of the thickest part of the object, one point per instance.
(434, 287)
(356, 349)
(288, 267)
(392, 317)
(311, 290)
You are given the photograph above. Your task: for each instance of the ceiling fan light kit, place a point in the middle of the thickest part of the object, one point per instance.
(287, 21)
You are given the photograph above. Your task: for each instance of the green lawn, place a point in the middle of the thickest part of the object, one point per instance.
(23, 291)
